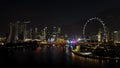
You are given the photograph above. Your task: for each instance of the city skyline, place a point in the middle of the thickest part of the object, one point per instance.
(69, 15)
(60, 33)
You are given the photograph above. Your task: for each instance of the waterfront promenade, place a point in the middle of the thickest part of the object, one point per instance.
(102, 54)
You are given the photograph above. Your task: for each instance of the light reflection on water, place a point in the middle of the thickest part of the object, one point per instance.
(58, 56)
(90, 62)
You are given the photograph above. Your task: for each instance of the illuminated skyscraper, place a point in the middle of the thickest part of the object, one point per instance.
(59, 30)
(13, 35)
(99, 35)
(17, 32)
(116, 36)
(44, 33)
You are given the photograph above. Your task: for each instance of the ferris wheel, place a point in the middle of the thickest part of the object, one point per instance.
(103, 26)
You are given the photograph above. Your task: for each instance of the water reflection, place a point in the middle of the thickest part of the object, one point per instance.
(56, 56)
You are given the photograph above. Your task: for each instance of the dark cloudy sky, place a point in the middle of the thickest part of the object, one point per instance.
(71, 15)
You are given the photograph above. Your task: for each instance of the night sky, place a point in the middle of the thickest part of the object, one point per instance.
(71, 15)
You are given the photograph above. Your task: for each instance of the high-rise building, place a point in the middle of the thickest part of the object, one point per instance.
(116, 36)
(18, 32)
(12, 34)
(99, 35)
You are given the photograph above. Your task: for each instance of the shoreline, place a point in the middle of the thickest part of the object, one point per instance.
(95, 56)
